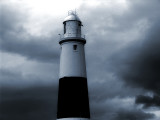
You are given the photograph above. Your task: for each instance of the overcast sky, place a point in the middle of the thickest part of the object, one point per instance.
(122, 56)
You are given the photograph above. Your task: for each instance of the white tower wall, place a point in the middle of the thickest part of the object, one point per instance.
(72, 60)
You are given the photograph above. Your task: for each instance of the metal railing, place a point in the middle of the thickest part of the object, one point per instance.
(71, 35)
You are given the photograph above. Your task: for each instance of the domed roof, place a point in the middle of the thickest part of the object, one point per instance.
(72, 16)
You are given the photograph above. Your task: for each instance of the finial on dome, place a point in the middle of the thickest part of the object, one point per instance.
(71, 12)
(72, 15)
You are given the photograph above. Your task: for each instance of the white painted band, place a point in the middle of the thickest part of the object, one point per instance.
(73, 119)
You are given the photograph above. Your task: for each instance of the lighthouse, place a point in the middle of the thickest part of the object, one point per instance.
(73, 101)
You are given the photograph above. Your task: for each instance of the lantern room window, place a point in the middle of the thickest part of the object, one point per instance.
(64, 28)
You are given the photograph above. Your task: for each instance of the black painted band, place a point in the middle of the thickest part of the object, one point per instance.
(82, 40)
(73, 98)
(71, 20)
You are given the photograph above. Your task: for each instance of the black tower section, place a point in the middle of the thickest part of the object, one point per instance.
(73, 98)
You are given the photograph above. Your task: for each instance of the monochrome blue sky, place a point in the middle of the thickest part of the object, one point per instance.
(122, 56)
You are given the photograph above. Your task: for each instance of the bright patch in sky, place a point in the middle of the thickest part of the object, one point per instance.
(57, 7)
(52, 7)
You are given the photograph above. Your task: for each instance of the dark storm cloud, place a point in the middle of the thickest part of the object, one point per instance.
(9, 77)
(117, 111)
(108, 32)
(32, 49)
(31, 103)
(15, 38)
(133, 115)
(17, 79)
(139, 64)
(148, 101)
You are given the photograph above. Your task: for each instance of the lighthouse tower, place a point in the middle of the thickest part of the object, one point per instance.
(73, 102)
